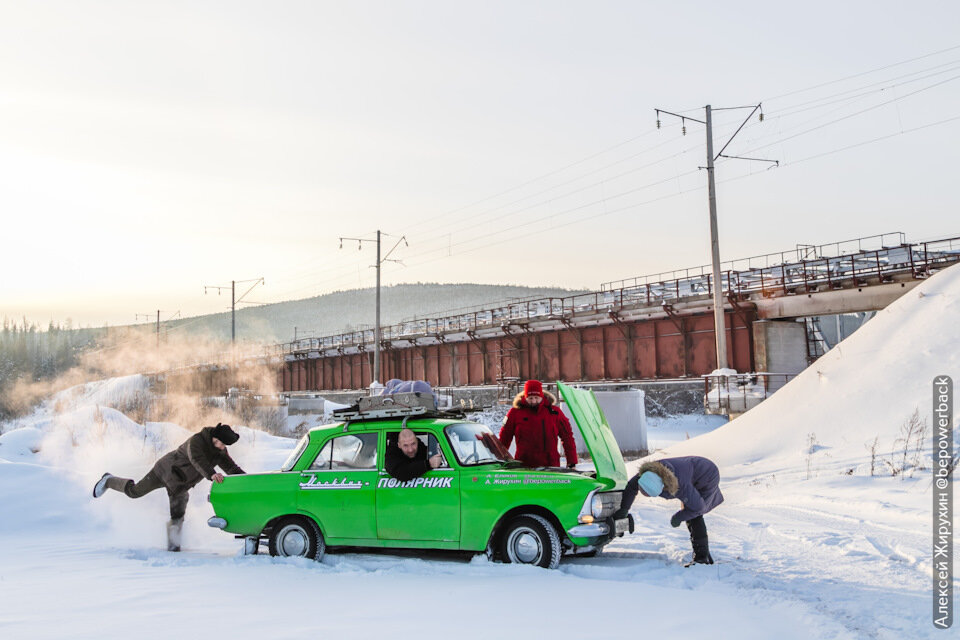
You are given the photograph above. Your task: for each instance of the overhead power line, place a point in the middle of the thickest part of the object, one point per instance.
(863, 73)
(855, 113)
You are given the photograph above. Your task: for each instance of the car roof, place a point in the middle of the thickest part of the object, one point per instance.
(366, 426)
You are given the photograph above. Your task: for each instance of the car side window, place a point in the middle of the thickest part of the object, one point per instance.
(347, 452)
(428, 439)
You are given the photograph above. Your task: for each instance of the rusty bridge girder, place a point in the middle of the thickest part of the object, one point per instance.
(672, 347)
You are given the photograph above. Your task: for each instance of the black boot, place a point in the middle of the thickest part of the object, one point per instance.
(701, 551)
(698, 538)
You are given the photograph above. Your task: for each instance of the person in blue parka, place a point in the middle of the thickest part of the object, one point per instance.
(693, 480)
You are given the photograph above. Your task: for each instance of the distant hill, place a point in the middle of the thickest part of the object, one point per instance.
(344, 311)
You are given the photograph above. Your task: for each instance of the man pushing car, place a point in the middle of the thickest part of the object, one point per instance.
(178, 472)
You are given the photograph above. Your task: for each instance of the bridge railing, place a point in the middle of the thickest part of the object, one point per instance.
(917, 259)
(766, 260)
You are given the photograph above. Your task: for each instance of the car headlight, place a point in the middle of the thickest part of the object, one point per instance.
(596, 506)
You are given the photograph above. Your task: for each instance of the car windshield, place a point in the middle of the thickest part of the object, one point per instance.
(475, 444)
(295, 454)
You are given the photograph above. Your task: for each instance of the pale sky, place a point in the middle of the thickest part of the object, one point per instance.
(150, 148)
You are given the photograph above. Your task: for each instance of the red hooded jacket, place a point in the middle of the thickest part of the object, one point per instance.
(536, 430)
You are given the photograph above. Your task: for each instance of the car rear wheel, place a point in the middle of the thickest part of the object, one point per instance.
(297, 537)
(530, 539)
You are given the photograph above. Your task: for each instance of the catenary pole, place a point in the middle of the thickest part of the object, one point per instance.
(380, 261)
(233, 311)
(719, 326)
(234, 300)
(376, 332)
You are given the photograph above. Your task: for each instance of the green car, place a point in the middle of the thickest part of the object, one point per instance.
(333, 491)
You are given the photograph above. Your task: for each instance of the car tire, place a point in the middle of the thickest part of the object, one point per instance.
(297, 537)
(530, 539)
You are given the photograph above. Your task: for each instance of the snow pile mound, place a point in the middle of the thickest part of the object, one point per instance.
(50, 460)
(125, 391)
(864, 391)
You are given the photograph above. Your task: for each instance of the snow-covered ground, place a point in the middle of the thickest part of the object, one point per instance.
(810, 544)
(667, 431)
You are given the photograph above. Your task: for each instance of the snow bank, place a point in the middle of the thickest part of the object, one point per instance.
(867, 387)
(112, 392)
(52, 458)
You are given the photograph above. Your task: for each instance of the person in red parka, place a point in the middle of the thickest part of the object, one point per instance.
(537, 422)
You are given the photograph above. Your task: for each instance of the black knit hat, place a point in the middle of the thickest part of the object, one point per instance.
(225, 434)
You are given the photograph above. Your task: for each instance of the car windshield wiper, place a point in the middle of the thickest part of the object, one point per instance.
(475, 463)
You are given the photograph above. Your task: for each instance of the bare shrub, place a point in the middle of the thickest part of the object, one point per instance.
(908, 447)
(872, 448)
(812, 447)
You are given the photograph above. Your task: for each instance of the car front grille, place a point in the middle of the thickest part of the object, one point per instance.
(611, 502)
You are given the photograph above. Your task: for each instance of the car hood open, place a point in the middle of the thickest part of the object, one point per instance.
(596, 433)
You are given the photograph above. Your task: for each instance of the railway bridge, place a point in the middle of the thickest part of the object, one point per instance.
(644, 328)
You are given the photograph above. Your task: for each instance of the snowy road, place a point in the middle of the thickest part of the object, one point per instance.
(120, 592)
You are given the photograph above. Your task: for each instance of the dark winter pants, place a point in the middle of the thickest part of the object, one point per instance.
(148, 483)
(697, 528)
(698, 538)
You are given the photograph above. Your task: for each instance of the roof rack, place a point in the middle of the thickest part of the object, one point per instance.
(397, 405)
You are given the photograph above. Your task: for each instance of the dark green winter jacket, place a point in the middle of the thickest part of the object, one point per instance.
(194, 460)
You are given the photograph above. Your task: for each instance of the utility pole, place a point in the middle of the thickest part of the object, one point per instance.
(719, 326)
(234, 300)
(380, 261)
(146, 316)
(376, 330)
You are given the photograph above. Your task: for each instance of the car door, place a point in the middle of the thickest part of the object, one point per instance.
(425, 508)
(339, 486)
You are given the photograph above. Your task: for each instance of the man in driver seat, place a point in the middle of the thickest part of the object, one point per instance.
(407, 459)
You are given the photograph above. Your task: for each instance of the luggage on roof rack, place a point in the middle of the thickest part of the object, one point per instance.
(411, 400)
(414, 403)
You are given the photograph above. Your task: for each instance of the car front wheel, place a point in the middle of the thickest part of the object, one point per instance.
(297, 537)
(530, 539)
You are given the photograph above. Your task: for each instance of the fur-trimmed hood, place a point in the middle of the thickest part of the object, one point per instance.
(670, 483)
(548, 399)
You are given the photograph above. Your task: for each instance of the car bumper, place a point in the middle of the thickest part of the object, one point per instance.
(607, 529)
(595, 530)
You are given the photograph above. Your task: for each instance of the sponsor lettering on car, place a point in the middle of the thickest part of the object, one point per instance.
(343, 483)
(416, 483)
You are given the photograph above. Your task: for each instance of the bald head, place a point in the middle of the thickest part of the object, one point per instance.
(408, 443)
